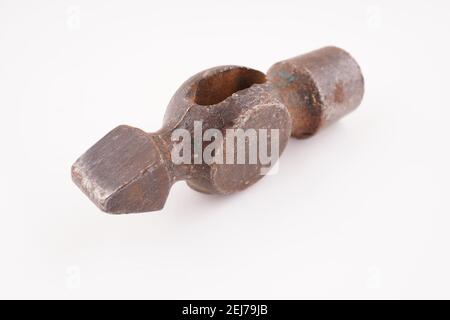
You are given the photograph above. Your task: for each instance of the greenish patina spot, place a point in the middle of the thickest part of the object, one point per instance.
(289, 77)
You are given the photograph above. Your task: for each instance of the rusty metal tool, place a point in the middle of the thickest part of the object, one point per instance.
(130, 171)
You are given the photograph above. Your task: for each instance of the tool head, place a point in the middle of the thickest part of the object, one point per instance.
(132, 171)
(124, 172)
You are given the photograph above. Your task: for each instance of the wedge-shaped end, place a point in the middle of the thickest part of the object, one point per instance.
(124, 172)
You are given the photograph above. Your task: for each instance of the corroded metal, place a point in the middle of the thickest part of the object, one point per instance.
(130, 170)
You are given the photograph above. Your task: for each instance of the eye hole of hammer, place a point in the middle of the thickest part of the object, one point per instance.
(219, 86)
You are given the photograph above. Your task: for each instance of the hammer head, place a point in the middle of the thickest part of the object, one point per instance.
(124, 172)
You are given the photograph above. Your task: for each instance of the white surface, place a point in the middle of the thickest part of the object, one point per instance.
(359, 211)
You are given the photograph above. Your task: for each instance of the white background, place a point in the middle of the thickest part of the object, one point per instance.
(360, 210)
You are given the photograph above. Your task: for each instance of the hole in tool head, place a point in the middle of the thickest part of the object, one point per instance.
(222, 84)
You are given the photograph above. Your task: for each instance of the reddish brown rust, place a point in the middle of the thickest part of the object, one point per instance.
(130, 170)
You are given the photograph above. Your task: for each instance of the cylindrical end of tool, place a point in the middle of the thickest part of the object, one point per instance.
(318, 88)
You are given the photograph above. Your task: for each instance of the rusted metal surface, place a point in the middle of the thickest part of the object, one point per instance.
(318, 88)
(130, 170)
